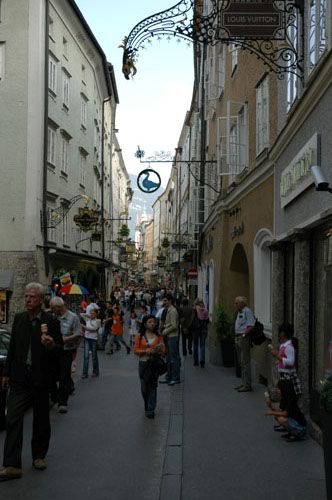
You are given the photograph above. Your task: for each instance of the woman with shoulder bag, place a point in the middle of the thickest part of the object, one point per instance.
(199, 328)
(150, 348)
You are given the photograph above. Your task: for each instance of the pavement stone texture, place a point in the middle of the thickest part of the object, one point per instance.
(207, 442)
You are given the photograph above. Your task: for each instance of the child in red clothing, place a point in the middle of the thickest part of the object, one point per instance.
(117, 331)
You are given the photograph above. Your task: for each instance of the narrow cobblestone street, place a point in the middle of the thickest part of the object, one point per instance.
(203, 445)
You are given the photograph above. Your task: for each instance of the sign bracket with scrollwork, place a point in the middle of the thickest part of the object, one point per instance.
(270, 29)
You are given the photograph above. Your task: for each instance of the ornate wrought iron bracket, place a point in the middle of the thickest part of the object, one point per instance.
(164, 157)
(56, 215)
(275, 40)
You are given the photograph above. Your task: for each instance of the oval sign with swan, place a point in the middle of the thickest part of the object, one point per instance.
(148, 181)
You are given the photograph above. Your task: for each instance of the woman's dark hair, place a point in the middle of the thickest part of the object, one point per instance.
(288, 330)
(142, 328)
(286, 388)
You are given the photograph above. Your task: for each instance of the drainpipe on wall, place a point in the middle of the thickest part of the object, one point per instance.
(45, 146)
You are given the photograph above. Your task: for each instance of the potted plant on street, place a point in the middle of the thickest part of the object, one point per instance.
(326, 403)
(225, 329)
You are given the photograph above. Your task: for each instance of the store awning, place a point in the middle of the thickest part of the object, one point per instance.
(6, 279)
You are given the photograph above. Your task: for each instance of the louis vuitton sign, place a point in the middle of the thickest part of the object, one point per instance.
(259, 19)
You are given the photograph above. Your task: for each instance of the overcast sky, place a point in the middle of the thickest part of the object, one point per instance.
(153, 105)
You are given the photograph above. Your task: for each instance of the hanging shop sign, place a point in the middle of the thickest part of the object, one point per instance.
(179, 245)
(252, 20)
(237, 230)
(96, 236)
(86, 219)
(148, 181)
(297, 175)
(65, 279)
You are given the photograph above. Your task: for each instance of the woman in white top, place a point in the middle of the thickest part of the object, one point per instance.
(90, 343)
(287, 356)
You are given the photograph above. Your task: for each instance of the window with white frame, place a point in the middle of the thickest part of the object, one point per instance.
(2, 61)
(52, 74)
(232, 144)
(51, 146)
(65, 47)
(317, 19)
(51, 234)
(51, 28)
(292, 80)
(84, 107)
(233, 49)
(97, 190)
(65, 231)
(65, 89)
(262, 115)
(64, 154)
(82, 168)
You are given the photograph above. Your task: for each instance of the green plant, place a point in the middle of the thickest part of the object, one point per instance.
(326, 395)
(224, 324)
(124, 231)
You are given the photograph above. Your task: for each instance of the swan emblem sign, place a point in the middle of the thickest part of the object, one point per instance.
(148, 181)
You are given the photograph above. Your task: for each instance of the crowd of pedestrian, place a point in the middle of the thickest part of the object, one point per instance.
(46, 336)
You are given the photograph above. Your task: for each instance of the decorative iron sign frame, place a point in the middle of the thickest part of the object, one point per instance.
(261, 26)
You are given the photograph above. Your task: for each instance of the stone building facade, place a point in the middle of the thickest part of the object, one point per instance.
(303, 216)
(58, 98)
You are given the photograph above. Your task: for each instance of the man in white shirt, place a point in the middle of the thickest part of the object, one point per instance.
(244, 324)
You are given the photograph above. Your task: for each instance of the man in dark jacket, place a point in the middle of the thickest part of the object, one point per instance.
(36, 339)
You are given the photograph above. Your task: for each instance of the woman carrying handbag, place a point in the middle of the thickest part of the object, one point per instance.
(150, 348)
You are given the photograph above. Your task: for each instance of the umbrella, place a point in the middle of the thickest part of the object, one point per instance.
(74, 290)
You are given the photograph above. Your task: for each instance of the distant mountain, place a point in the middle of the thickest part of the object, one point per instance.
(141, 202)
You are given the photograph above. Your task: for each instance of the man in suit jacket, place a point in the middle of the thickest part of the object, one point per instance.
(36, 339)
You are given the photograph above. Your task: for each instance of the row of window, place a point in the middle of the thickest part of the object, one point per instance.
(66, 77)
(64, 161)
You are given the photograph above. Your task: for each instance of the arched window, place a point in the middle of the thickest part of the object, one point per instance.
(262, 278)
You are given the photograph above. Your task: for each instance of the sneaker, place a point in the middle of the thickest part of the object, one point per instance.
(150, 414)
(173, 382)
(110, 352)
(202, 363)
(94, 375)
(245, 388)
(279, 428)
(293, 439)
(62, 409)
(84, 375)
(238, 387)
(39, 464)
(8, 473)
(164, 381)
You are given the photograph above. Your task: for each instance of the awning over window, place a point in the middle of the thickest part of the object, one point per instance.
(6, 279)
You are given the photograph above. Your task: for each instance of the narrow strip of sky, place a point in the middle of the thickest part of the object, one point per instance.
(153, 105)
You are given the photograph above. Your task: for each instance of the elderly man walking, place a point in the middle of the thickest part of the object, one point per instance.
(35, 339)
(244, 324)
(71, 335)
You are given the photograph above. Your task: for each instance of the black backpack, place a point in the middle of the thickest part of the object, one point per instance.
(257, 335)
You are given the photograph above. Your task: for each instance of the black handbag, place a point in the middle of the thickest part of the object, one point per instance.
(257, 335)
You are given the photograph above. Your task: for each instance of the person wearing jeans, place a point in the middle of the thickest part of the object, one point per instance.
(199, 326)
(71, 335)
(171, 332)
(90, 344)
(244, 324)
